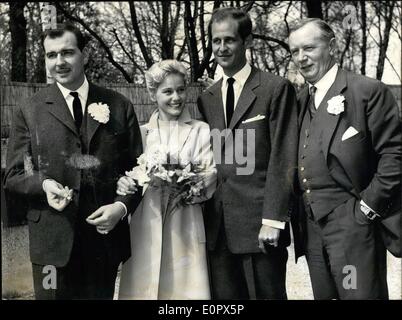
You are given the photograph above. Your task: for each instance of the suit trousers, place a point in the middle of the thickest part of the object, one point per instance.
(247, 276)
(91, 272)
(345, 255)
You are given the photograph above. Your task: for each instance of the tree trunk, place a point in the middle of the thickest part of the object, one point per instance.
(388, 8)
(167, 52)
(134, 21)
(314, 9)
(204, 65)
(189, 28)
(18, 32)
(364, 38)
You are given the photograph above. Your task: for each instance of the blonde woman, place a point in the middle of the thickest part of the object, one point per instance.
(168, 256)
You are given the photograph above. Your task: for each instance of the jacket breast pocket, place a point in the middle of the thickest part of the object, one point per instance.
(355, 139)
(33, 215)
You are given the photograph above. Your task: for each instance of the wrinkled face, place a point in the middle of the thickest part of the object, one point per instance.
(311, 53)
(64, 60)
(171, 97)
(228, 47)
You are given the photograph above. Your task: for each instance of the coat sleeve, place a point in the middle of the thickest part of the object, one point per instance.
(201, 109)
(283, 135)
(23, 175)
(386, 137)
(134, 147)
(204, 156)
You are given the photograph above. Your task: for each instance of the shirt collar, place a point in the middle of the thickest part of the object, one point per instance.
(241, 76)
(82, 91)
(327, 80)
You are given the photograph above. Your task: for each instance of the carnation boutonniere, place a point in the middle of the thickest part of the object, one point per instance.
(336, 105)
(99, 111)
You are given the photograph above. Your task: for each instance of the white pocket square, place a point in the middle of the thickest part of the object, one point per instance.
(256, 118)
(350, 132)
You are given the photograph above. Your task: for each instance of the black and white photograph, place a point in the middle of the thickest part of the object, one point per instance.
(201, 151)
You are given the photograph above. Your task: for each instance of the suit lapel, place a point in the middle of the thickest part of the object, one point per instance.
(216, 104)
(330, 120)
(303, 100)
(92, 124)
(246, 98)
(184, 130)
(57, 106)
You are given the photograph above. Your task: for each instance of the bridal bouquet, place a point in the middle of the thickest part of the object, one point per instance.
(180, 182)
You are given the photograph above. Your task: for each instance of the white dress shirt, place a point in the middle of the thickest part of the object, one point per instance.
(82, 95)
(324, 84)
(240, 79)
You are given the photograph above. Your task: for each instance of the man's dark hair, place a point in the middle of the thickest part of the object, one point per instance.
(60, 29)
(326, 31)
(244, 23)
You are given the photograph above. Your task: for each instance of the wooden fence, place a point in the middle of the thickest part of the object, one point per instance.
(11, 94)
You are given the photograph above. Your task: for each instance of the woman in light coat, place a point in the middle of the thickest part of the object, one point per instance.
(168, 256)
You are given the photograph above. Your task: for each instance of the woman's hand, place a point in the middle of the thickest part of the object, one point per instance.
(125, 186)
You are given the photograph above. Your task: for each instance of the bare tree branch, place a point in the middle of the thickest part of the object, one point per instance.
(97, 37)
(286, 17)
(248, 6)
(347, 44)
(388, 8)
(204, 65)
(148, 60)
(268, 38)
(182, 49)
(126, 52)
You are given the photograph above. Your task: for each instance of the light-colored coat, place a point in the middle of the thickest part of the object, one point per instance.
(169, 261)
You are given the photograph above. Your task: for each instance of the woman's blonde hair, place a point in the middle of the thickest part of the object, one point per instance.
(160, 70)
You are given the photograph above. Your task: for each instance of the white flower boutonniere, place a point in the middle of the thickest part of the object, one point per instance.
(336, 105)
(99, 111)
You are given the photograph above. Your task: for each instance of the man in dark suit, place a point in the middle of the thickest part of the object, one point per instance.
(69, 144)
(349, 168)
(246, 221)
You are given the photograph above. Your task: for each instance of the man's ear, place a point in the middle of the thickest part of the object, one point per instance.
(85, 55)
(248, 42)
(332, 46)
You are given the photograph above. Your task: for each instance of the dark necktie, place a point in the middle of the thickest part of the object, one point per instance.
(77, 110)
(311, 102)
(229, 101)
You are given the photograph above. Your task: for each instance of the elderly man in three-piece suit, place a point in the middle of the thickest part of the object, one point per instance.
(349, 170)
(68, 146)
(247, 220)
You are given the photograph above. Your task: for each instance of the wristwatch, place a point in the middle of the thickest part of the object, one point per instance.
(368, 212)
